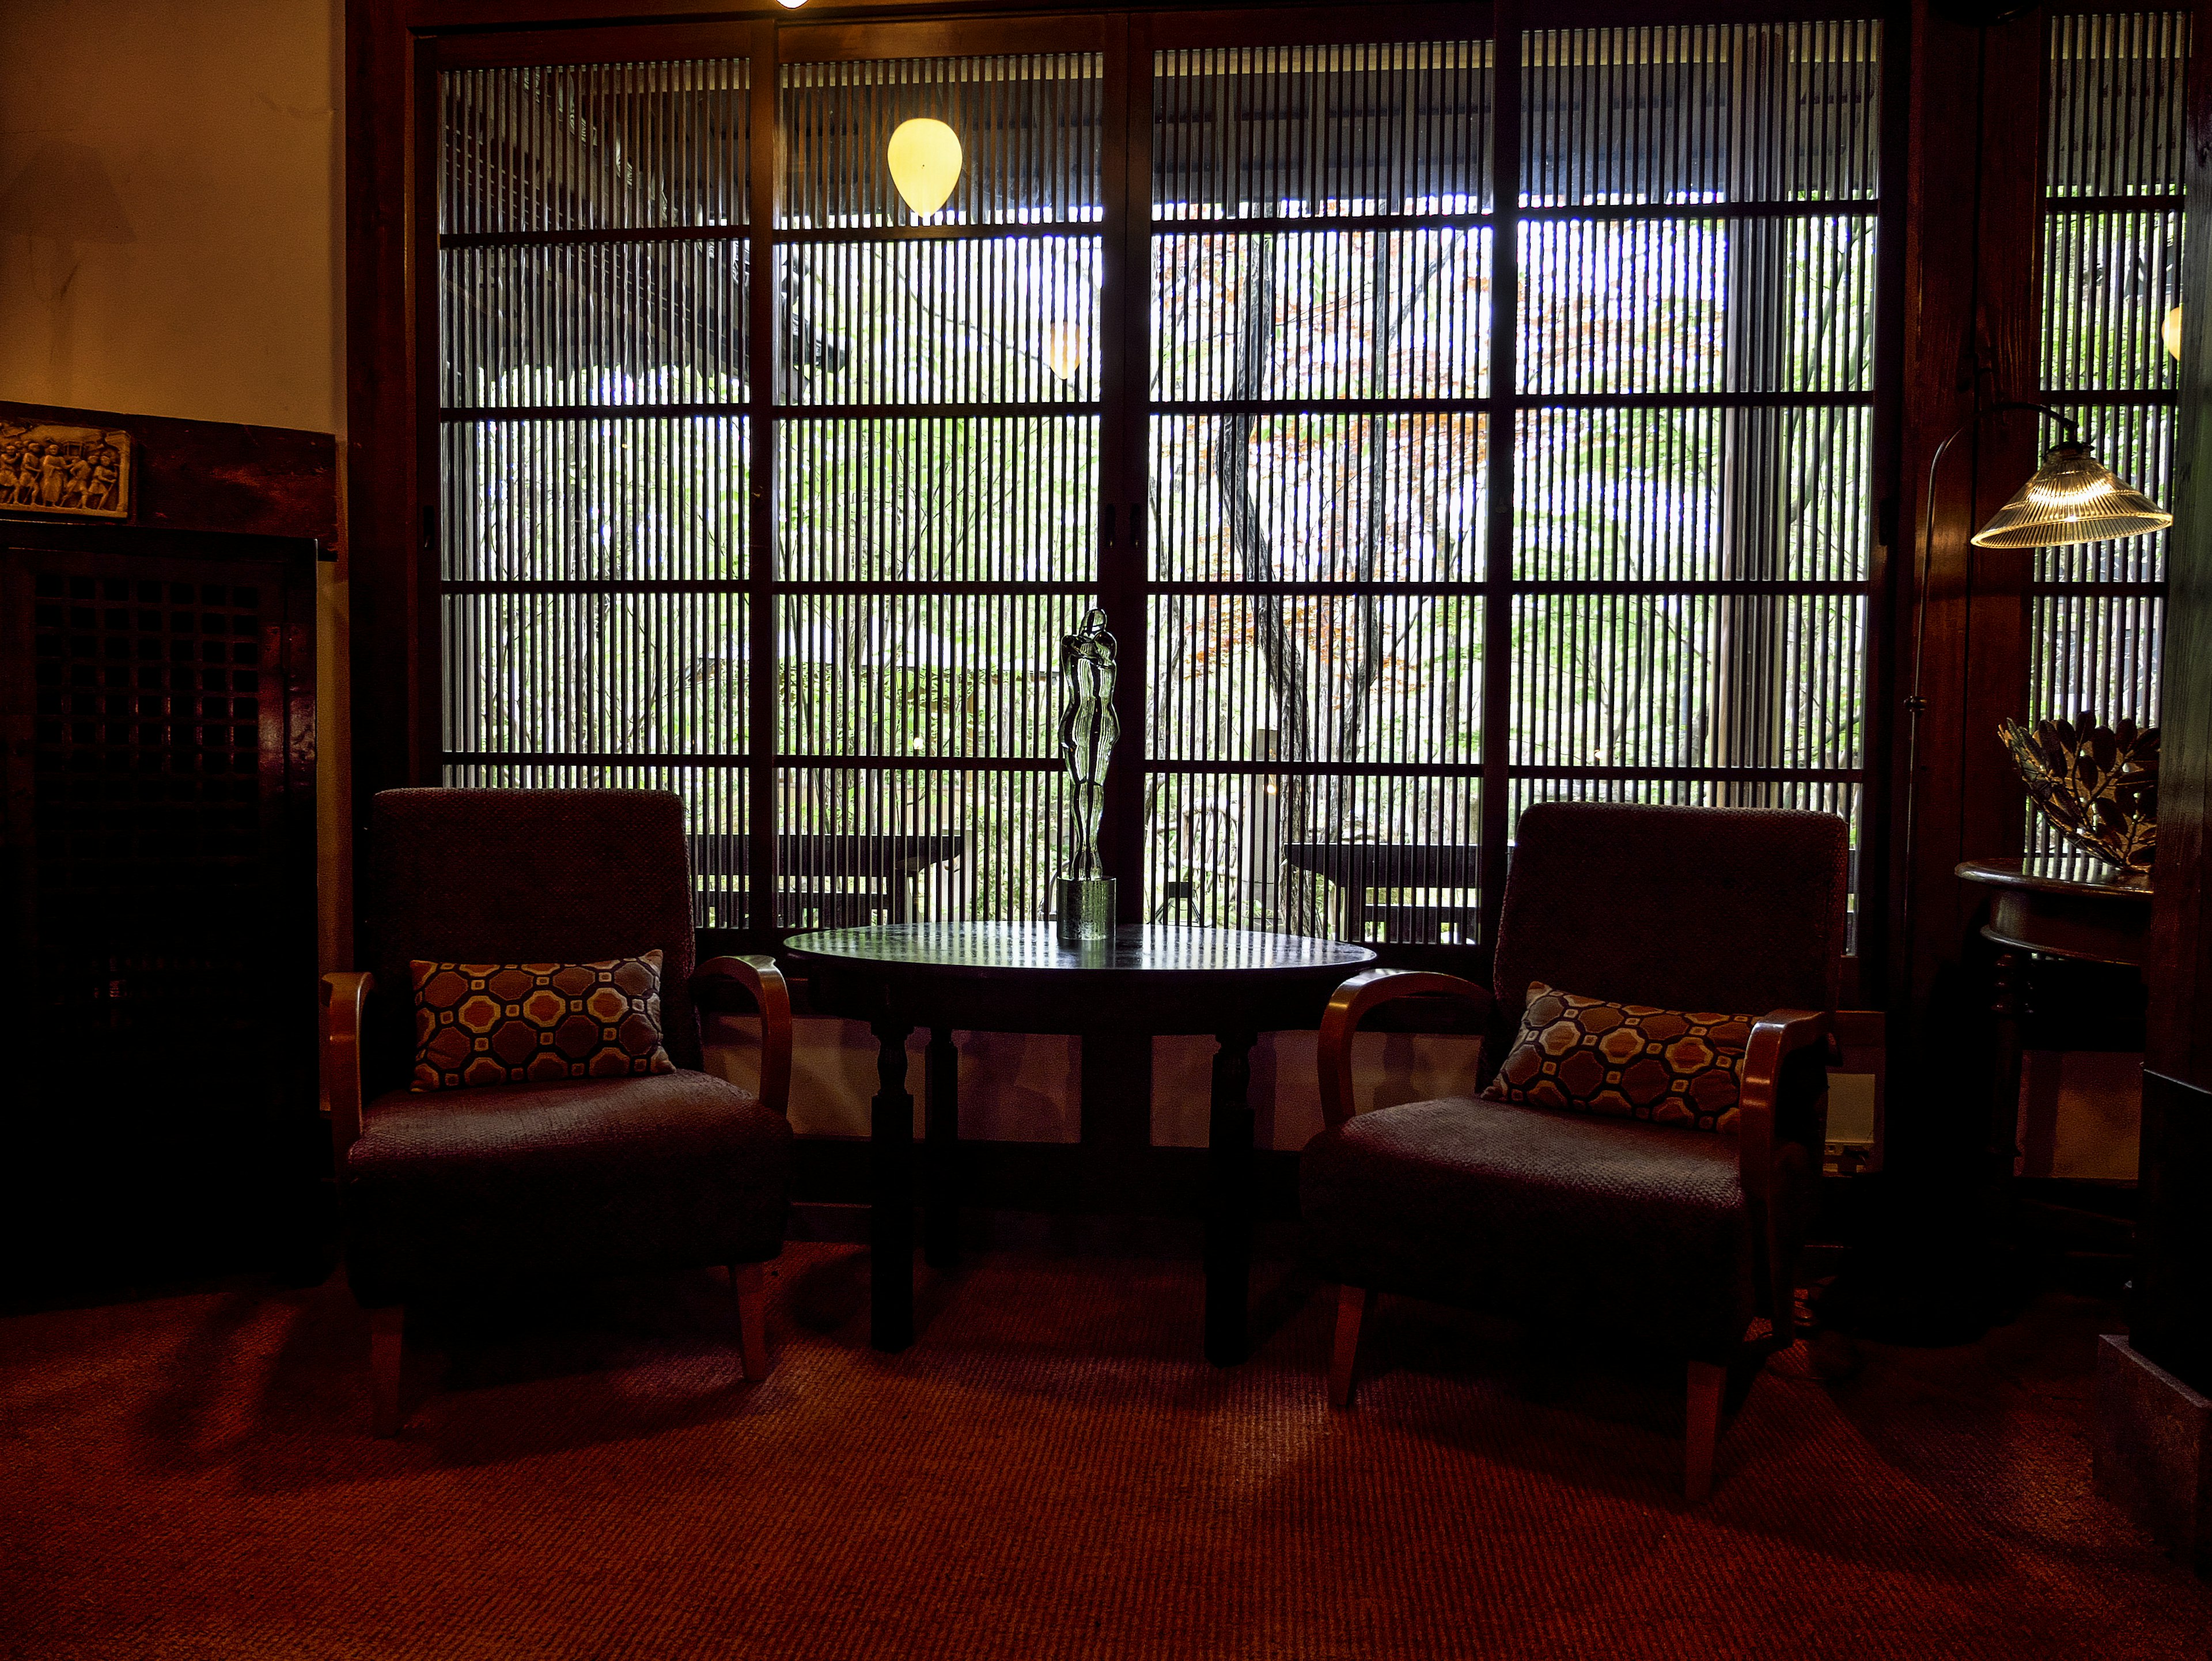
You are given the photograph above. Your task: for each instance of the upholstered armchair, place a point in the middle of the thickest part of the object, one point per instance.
(552, 1175)
(1656, 1235)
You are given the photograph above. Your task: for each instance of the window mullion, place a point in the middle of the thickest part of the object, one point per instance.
(1504, 436)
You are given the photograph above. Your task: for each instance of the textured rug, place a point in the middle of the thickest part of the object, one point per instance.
(1051, 1471)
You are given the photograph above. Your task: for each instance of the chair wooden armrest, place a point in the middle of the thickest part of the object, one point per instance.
(761, 982)
(345, 995)
(1775, 1039)
(1350, 1006)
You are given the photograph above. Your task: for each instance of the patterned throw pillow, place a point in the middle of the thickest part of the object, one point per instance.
(515, 1023)
(1628, 1061)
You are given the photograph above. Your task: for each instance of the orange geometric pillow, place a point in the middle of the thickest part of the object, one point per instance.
(1628, 1061)
(513, 1023)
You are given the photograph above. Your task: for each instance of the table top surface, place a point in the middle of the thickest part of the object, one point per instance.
(994, 949)
(2058, 873)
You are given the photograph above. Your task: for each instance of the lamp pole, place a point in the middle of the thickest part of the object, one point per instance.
(1915, 703)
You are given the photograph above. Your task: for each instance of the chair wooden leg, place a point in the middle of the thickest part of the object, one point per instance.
(747, 1281)
(386, 1329)
(1708, 1383)
(1351, 1305)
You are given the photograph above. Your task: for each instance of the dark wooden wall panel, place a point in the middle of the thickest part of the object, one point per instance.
(217, 475)
(387, 522)
(2172, 1312)
(2180, 1038)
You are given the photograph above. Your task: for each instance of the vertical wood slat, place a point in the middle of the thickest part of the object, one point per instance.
(763, 375)
(1504, 438)
(1891, 555)
(1124, 560)
(427, 612)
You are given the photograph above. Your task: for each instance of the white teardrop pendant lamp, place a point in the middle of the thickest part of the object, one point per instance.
(1066, 348)
(925, 159)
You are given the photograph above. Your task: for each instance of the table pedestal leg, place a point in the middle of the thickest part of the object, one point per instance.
(1228, 1200)
(2008, 991)
(890, 1210)
(941, 1218)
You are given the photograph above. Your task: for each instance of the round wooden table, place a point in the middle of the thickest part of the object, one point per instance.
(2066, 905)
(2056, 905)
(1152, 980)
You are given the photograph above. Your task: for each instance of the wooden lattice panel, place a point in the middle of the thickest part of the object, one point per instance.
(159, 888)
(152, 698)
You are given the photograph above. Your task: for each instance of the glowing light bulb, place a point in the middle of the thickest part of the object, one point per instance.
(791, 5)
(1065, 350)
(2171, 333)
(925, 159)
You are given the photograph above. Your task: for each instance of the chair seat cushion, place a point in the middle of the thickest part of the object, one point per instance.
(1632, 1228)
(588, 1175)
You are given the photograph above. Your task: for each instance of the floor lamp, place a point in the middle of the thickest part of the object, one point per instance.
(2073, 497)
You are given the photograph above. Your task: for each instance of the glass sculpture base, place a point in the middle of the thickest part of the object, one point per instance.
(1085, 908)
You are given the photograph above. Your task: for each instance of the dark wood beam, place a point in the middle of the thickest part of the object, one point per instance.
(2172, 1317)
(387, 531)
(1969, 339)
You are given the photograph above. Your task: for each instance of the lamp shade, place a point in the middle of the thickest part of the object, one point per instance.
(1065, 350)
(2073, 497)
(925, 159)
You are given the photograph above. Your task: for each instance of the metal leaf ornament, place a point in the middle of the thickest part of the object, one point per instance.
(2097, 785)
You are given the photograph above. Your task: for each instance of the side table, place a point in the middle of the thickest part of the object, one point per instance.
(1152, 980)
(2055, 905)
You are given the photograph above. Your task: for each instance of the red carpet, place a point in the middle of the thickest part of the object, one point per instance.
(1050, 1472)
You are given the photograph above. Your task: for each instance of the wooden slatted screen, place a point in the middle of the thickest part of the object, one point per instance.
(1693, 493)
(2113, 182)
(937, 483)
(593, 276)
(1454, 499)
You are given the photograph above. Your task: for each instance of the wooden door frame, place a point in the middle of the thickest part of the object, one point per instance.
(2169, 1317)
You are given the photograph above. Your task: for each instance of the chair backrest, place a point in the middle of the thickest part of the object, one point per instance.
(1730, 908)
(523, 876)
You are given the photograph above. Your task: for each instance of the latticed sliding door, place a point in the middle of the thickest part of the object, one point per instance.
(1692, 492)
(592, 270)
(2113, 166)
(1226, 330)
(937, 479)
(1321, 302)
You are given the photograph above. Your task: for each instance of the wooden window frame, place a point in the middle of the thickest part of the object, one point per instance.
(1964, 162)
